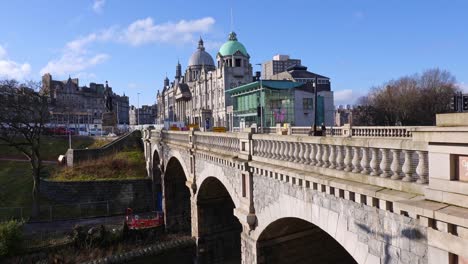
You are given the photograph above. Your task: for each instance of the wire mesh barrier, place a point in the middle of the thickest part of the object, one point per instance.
(70, 211)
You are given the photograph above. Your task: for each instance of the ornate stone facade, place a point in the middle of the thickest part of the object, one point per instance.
(198, 97)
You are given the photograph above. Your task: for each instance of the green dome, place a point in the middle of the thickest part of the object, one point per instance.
(232, 46)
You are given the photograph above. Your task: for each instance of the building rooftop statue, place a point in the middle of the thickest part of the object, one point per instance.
(200, 56)
(232, 46)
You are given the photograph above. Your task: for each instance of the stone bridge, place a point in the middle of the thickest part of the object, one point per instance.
(379, 197)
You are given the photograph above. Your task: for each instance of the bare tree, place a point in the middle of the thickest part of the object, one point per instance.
(409, 100)
(23, 114)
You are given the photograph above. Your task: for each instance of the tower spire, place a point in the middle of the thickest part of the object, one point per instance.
(200, 44)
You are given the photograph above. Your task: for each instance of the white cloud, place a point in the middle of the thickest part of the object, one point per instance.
(344, 97)
(73, 63)
(12, 70)
(76, 56)
(98, 5)
(144, 31)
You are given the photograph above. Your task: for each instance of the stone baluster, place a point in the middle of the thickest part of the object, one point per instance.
(422, 169)
(267, 148)
(300, 157)
(339, 158)
(275, 149)
(318, 156)
(347, 159)
(292, 148)
(356, 159)
(313, 152)
(365, 161)
(396, 166)
(264, 148)
(261, 145)
(284, 154)
(256, 148)
(385, 164)
(306, 153)
(332, 159)
(374, 163)
(279, 149)
(295, 155)
(408, 166)
(325, 156)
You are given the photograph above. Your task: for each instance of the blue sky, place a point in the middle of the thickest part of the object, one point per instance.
(133, 44)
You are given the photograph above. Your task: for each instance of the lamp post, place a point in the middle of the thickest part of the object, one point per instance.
(314, 84)
(138, 109)
(260, 101)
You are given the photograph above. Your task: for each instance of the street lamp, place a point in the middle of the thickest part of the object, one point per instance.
(260, 101)
(314, 84)
(138, 109)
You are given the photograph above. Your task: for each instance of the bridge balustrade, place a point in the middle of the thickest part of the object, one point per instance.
(346, 131)
(397, 159)
(228, 142)
(176, 136)
(393, 132)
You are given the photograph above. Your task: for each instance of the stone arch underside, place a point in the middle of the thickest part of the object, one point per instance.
(218, 229)
(176, 198)
(294, 240)
(227, 176)
(157, 180)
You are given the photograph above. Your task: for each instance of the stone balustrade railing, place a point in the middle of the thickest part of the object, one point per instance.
(176, 136)
(397, 159)
(346, 131)
(228, 142)
(396, 131)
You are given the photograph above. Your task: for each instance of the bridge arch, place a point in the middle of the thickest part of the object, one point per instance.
(156, 176)
(295, 240)
(219, 230)
(176, 198)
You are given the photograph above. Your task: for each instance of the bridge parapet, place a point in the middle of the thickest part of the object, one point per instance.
(402, 160)
(226, 142)
(348, 131)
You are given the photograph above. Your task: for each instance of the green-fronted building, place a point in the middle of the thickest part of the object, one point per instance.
(277, 102)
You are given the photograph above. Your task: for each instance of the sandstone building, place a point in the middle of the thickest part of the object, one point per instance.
(198, 96)
(73, 104)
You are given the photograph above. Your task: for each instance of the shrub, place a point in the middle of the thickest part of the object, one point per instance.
(11, 238)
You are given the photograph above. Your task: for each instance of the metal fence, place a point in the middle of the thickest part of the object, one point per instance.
(69, 211)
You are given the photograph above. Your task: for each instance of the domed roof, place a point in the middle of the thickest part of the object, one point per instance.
(232, 46)
(200, 56)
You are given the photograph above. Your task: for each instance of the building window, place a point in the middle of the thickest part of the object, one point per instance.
(238, 62)
(307, 103)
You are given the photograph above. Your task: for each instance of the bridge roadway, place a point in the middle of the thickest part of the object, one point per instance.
(370, 195)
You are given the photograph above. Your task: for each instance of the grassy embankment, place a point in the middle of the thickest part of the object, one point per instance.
(15, 176)
(127, 164)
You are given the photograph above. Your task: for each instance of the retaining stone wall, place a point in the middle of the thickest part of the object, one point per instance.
(136, 193)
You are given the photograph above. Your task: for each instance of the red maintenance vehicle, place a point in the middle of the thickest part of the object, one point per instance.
(136, 222)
